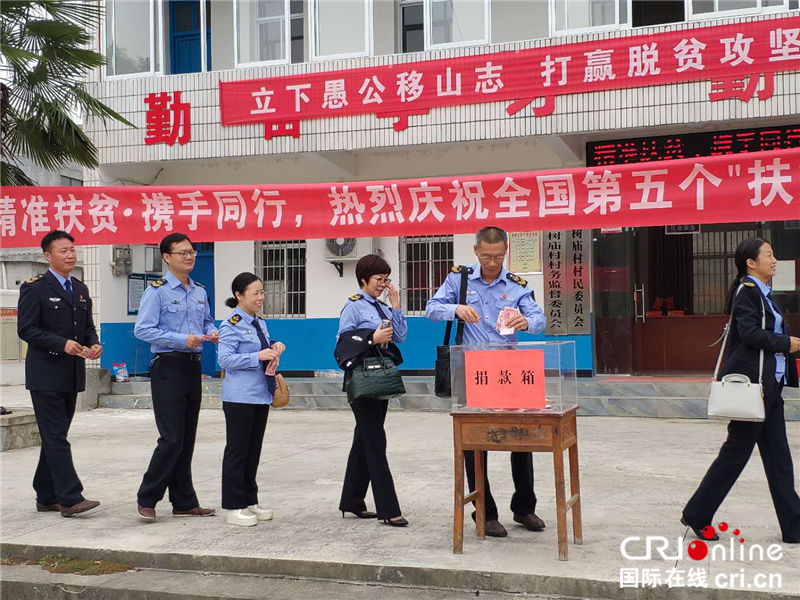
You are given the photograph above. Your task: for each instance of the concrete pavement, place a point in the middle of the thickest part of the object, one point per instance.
(636, 475)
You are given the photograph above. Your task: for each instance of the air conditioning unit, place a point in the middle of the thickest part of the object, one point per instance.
(347, 249)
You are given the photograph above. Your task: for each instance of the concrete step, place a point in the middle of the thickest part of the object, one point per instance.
(25, 581)
(673, 398)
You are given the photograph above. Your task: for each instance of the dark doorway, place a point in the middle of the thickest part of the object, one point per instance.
(184, 36)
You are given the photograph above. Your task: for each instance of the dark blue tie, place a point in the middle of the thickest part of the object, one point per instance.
(263, 339)
(70, 293)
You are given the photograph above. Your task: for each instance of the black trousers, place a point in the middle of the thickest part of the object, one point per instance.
(523, 502)
(177, 392)
(367, 462)
(55, 481)
(773, 445)
(245, 425)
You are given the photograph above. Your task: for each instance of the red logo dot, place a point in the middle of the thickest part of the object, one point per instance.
(741, 540)
(723, 526)
(709, 532)
(735, 532)
(698, 550)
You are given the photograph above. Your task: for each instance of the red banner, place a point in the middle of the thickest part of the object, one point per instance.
(727, 54)
(762, 186)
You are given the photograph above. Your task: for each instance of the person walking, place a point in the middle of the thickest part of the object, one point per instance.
(749, 301)
(250, 359)
(54, 316)
(361, 329)
(490, 289)
(175, 319)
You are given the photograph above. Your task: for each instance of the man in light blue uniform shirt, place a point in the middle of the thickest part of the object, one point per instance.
(780, 358)
(490, 289)
(175, 318)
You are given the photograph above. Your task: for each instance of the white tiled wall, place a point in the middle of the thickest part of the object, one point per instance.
(659, 106)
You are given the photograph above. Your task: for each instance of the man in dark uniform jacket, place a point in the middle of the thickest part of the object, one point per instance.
(55, 319)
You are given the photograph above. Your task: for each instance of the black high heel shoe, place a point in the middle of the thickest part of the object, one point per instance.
(699, 532)
(364, 514)
(401, 522)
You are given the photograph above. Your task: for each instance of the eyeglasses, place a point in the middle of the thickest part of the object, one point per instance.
(186, 254)
(382, 281)
(495, 259)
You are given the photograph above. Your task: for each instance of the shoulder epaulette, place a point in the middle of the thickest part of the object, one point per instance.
(355, 297)
(158, 282)
(34, 279)
(748, 284)
(234, 319)
(457, 269)
(517, 279)
(197, 283)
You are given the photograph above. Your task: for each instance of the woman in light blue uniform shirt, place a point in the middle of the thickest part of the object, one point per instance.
(247, 354)
(367, 463)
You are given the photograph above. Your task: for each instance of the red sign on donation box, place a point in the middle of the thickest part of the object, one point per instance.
(505, 378)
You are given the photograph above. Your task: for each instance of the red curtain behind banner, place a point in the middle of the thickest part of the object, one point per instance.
(762, 186)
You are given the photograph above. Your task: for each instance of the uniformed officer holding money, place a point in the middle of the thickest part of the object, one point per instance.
(175, 318)
(490, 289)
(55, 319)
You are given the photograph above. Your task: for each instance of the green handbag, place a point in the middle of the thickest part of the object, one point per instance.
(376, 378)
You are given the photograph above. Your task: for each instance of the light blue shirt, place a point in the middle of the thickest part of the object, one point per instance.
(63, 281)
(168, 312)
(361, 314)
(780, 357)
(239, 346)
(488, 300)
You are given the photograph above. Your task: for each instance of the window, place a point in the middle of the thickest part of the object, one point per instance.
(263, 33)
(713, 265)
(297, 31)
(454, 23)
(412, 36)
(70, 181)
(647, 13)
(282, 268)
(340, 28)
(704, 9)
(569, 17)
(132, 38)
(425, 262)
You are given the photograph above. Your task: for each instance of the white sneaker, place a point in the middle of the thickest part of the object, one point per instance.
(241, 517)
(261, 513)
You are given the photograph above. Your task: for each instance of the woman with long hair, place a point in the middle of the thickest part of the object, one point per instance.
(249, 358)
(749, 301)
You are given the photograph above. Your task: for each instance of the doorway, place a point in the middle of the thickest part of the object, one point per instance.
(184, 36)
(659, 295)
(204, 273)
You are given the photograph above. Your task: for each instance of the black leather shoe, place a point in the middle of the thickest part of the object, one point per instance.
(495, 529)
(531, 522)
(401, 522)
(699, 532)
(362, 514)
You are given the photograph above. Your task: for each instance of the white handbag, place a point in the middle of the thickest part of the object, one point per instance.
(736, 397)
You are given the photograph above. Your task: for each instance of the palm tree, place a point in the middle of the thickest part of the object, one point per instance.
(45, 58)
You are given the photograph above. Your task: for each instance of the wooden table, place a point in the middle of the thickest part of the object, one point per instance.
(509, 431)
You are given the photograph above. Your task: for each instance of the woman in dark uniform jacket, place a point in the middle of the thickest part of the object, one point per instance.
(756, 265)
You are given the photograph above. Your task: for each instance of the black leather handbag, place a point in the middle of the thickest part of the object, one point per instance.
(376, 378)
(441, 386)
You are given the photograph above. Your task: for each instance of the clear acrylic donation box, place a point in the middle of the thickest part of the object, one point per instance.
(526, 376)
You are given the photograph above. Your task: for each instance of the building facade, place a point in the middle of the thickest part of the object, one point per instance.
(655, 292)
